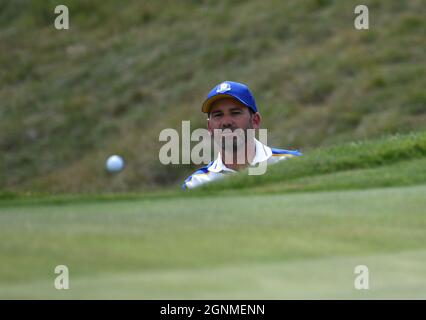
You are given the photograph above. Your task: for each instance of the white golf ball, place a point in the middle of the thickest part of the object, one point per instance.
(115, 163)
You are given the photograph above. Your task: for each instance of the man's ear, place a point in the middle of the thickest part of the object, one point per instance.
(255, 120)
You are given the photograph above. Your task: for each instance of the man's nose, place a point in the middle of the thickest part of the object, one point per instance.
(227, 122)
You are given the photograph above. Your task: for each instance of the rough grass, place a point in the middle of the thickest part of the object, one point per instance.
(122, 73)
(396, 160)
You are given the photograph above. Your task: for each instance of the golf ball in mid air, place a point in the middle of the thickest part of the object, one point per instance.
(115, 163)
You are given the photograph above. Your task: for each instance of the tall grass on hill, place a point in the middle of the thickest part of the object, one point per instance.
(124, 71)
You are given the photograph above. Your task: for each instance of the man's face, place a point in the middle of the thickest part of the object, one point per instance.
(229, 113)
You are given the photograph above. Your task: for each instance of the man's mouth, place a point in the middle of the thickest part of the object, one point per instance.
(229, 130)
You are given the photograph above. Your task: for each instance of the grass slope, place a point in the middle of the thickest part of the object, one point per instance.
(397, 160)
(124, 72)
(392, 160)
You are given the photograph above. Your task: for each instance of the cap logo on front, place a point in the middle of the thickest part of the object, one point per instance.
(223, 87)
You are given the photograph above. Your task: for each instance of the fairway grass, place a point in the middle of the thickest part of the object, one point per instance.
(302, 245)
(393, 276)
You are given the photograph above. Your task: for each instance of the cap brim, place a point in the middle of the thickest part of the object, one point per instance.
(208, 103)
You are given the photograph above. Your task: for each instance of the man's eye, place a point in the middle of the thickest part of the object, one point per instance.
(236, 112)
(217, 115)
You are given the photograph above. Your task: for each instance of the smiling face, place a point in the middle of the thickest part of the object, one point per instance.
(229, 113)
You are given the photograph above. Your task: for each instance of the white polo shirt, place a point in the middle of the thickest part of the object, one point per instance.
(217, 169)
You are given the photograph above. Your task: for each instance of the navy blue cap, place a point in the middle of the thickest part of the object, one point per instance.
(230, 89)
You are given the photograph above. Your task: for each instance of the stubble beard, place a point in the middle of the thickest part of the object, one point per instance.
(234, 144)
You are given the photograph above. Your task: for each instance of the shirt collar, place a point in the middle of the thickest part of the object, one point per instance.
(263, 152)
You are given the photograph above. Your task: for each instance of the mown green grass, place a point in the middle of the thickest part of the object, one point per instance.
(296, 232)
(393, 276)
(219, 247)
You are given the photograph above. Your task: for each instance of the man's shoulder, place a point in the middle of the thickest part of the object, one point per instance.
(282, 154)
(197, 174)
(276, 152)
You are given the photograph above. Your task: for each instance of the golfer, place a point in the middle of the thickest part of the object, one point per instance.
(232, 111)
